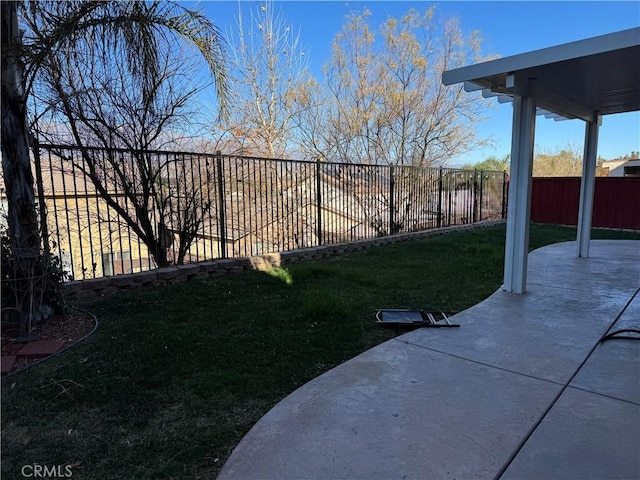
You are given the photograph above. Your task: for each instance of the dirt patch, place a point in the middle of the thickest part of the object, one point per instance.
(68, 328)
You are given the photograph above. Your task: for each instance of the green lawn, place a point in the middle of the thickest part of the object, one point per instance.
(174, 377)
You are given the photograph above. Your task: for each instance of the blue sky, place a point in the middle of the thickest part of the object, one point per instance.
(508, 28)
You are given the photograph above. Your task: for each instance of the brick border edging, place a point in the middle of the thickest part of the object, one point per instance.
(84, 290)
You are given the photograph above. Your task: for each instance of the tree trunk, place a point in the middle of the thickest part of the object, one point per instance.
(16, 165)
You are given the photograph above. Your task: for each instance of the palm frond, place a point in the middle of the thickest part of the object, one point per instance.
(136, 30)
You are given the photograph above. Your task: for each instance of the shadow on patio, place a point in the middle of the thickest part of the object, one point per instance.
(524, 389)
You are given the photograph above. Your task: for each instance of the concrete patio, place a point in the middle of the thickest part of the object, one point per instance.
(524, 389)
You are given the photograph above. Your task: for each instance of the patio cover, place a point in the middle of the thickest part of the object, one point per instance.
(579, 80)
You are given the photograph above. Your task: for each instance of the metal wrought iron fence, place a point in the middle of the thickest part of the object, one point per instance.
(109, 212)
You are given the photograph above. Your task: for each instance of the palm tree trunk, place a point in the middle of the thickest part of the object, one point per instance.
(16, 166)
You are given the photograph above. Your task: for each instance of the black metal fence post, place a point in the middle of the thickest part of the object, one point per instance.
(222, 221)
(439, 219)
(504, 195)
(481, 194)
(475, 197)
(391, 201)
(319, 201)
(450, 190)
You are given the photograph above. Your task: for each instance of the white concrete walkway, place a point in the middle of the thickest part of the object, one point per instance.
(524, 389)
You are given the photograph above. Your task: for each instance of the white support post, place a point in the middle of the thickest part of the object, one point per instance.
(519, 208)
(587, 186)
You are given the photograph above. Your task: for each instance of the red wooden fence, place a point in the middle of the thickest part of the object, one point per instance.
(616, 202)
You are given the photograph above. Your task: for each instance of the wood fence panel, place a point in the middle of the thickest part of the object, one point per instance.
(616, 201)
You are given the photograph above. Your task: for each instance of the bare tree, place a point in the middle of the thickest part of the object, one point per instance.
(158, 196)
(385, 102)
(267, 62)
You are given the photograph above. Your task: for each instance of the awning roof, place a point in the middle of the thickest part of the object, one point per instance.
(573, 80)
